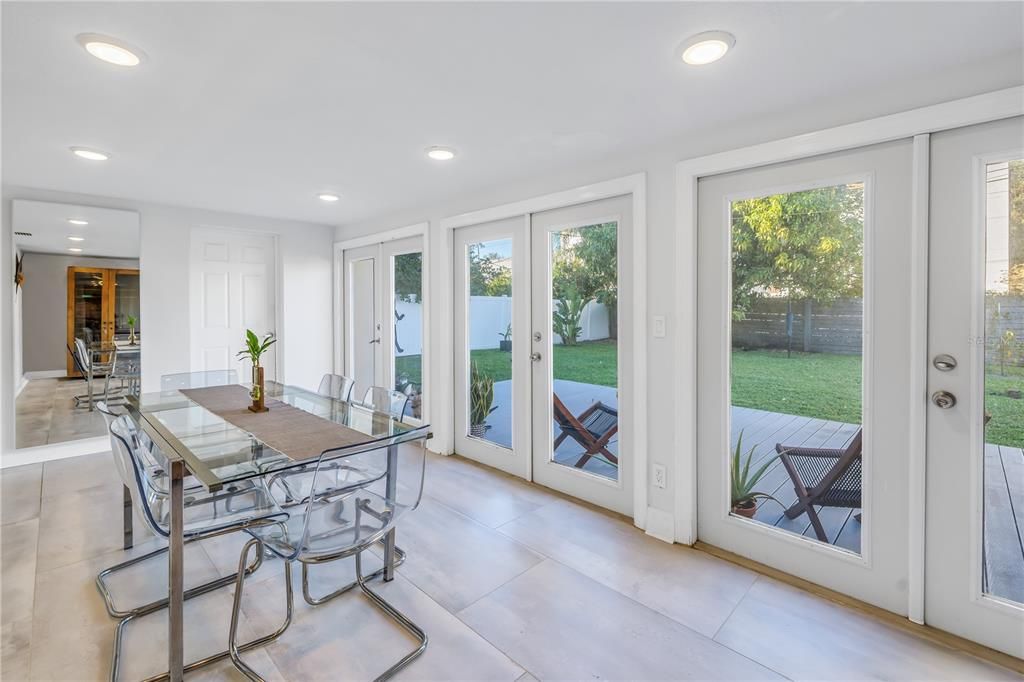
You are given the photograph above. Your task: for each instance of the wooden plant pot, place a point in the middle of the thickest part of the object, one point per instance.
(745, 511)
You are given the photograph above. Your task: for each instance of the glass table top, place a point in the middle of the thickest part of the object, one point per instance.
(218, 453)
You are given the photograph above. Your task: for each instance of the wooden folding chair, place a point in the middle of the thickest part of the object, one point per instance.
(823, 477)
(592, 429)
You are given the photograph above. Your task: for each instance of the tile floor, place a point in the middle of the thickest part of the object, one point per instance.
(45, 413)
(510, 581)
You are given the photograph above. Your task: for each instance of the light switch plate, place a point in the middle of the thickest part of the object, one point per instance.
(660, 475)
(659, 326)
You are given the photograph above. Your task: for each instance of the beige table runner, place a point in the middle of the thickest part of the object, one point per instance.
(287, 429)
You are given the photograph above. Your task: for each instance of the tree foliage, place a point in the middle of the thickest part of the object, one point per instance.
(489, 274)
(1015, 276)
(409, 277)
(799, 245)
(584, 266)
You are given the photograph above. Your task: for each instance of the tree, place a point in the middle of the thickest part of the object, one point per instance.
(585, 265)
(409, 277)
(489, 274)
(805, 245)
(1016, 189)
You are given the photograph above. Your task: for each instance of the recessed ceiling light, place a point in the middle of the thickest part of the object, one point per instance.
(328, 196)
(91, 154)
(75, 238)
(74, 249)
(78, 221)
(441, 153)
(110, 50)
(706, 47)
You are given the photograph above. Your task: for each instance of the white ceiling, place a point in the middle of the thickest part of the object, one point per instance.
(110, 233)
(255, 108)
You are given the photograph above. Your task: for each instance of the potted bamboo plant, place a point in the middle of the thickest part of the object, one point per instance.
(254, 350)
(481, 397)
(743, 495)
(132, 321)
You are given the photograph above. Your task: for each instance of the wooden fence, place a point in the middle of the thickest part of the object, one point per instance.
(1002, 314)
(815, 328)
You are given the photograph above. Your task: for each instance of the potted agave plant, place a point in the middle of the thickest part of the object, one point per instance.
(253, 351)
(481, 397)
(743, 495)
(505, 345)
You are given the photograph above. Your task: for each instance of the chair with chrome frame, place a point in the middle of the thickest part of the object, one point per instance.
(214, 377)
(381, 399)
(207, 516)
(85, 364)
(125, 367)
(337, 386)
(345, 524)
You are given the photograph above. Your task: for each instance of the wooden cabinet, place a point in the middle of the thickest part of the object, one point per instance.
(99, 303)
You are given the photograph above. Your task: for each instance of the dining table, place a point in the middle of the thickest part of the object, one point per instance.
(218, 454)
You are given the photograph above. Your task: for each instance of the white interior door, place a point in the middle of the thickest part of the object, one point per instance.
(975, 464)
(363, 324)
(492, 383)
(580, 395)
(233, 288)
(402, 327)
(803, 302)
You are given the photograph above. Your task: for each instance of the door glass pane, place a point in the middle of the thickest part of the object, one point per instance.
(796, 361)
(408, 312)
(584, 352)
(364, 335)
(126, 304)
(1003, 556)
(489, 330)
(88, 307)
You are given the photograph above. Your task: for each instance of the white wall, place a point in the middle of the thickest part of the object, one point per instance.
(305, 278)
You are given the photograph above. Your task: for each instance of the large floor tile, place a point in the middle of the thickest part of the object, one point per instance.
(687, 585)
(560, 624)
(15, 650)
(485, 495)
(806, 637)
(350, 639)
(75, 474)
(18, 563)
(20, 493)
(456, 560)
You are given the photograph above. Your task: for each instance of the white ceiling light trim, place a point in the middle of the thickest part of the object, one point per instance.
(78, 221)
(110, 50)
(329, 197)
(705, 48)
(438, 153)
(76, 238)
(74, 250)
(90, 154)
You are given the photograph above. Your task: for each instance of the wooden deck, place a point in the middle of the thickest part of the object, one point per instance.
(1004, 492)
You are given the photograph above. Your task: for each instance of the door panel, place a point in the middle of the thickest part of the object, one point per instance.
(975, 462)
(363, 323)
(402, 328)
(233, 288)
(802, 303)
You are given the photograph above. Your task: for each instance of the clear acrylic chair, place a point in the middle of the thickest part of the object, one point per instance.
(89, 368)
(337, 386)
(214, 377)
(386, 483)
(126, 367)
(381, 399)
(207, 515)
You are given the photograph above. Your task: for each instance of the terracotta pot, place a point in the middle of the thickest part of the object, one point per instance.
(745, 511)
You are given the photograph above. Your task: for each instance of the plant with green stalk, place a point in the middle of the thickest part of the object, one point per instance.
(742, 482)
(566, 317)
(132, 320)
(254, 350)
(481, 397)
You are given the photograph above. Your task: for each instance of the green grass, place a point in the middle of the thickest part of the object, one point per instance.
(1007, 424)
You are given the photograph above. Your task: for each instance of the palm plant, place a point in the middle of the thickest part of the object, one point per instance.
(566, 317)
(481, 395)
(254, 348)
(742, 482)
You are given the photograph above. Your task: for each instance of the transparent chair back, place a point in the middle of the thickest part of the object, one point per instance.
(370, 492)
(336, 386)
(82, 354)
(384, 400)
(216, 377)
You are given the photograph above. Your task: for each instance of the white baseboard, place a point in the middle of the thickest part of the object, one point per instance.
(47, 374)
(22, 383)
(48, 453)
(661, 525)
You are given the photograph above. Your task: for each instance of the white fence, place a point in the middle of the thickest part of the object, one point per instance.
(489, 317)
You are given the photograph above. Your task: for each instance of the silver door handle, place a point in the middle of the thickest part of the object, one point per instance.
(944, 399)
(535, 357)
(374, 340)
(944, 362)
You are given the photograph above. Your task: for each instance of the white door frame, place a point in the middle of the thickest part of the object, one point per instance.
(421, 230)
(634, 185)
(916, 124)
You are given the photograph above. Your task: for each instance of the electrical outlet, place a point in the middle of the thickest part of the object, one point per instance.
(660, 475)
(659, 327)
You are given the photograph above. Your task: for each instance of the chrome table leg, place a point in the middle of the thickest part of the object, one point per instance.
(176, 573)
(129, 540)
(389, 539)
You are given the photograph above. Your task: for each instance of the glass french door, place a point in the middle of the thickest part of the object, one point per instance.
(802, 334)
(384, 332)
(538, 340)
(975, 461)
